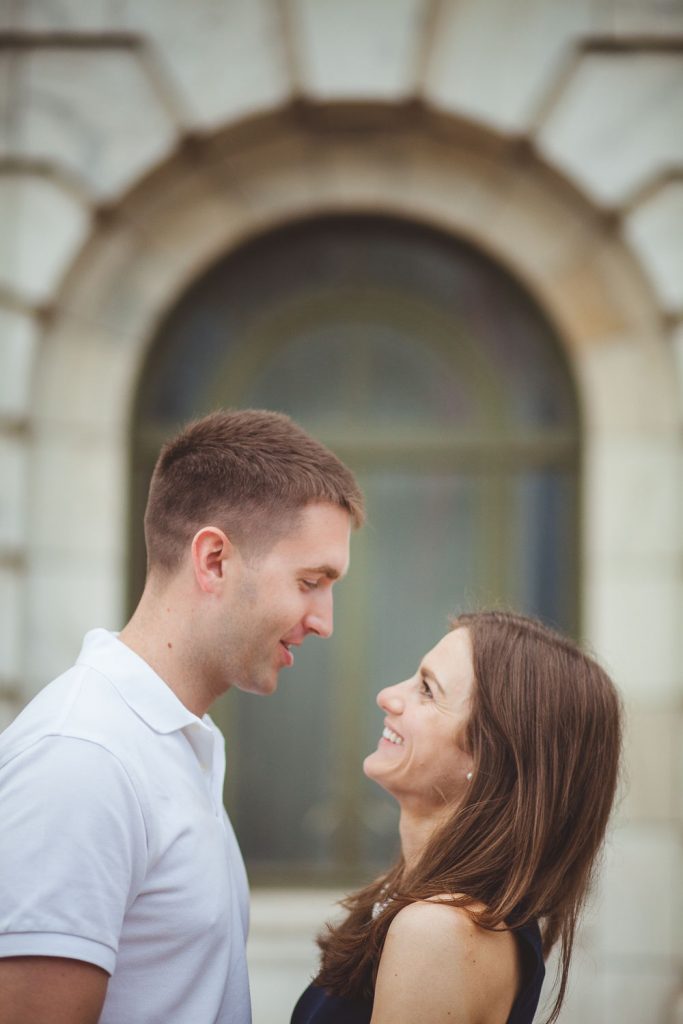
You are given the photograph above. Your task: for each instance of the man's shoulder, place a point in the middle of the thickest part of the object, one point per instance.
(80, 703)
(75, 736)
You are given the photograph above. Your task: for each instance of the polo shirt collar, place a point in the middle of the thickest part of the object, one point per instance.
(143, 690)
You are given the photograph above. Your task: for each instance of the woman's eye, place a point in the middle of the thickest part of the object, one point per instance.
(310, 584)
(426, 688)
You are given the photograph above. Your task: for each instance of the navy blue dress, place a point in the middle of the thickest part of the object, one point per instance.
(317, 1007)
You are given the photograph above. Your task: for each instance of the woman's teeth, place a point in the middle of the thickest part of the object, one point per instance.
(389, 734)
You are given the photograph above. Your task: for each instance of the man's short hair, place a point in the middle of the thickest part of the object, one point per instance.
(249, 472)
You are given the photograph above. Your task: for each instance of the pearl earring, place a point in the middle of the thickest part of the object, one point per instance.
(469, 776)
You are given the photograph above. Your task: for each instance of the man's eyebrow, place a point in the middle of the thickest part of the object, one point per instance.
(426, 671)
(324, 570)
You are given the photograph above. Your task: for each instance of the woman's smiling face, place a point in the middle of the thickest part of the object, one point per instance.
(421, 758)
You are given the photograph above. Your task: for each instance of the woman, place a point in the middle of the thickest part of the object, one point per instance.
(502, 751)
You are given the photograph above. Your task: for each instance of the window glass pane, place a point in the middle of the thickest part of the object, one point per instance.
(356, 370)
(353, 302)
(542, 516)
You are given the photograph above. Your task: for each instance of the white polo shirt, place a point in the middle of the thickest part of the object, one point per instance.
(115, 847)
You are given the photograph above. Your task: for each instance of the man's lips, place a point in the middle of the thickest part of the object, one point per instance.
(288, 656)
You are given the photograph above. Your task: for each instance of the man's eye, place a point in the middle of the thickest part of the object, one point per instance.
(310, 584)
(425, 688)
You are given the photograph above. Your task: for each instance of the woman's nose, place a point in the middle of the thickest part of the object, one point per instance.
(390, 699)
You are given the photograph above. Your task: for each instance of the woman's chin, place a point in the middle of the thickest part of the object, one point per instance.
(375, 769)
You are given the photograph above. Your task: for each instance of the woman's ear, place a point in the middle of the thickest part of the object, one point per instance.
(210, 549)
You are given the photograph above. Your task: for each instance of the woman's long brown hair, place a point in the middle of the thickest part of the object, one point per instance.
(545, 737)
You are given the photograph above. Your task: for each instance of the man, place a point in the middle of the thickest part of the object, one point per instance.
(123, 896)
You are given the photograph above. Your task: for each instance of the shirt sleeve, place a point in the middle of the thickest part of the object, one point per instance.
(73, 851)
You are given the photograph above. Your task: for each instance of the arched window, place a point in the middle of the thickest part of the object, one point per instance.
(431, 372)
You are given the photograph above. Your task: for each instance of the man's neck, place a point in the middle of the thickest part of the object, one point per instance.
(160, 633)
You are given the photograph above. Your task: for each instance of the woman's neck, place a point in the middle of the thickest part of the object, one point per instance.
(416, 829)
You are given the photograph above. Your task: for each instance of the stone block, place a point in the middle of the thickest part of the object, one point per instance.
(634, 499)
(627, 18)
(603, 294)
(140, 264)
(65, 598)
(584, 1000)
(13, 473)
(633, 624)
(282, 953)
(168, 249)
(93, 112)
(79, 494)
(64, 16)
(655, 230)
(653, 768)
(492, 61)
(617, 123)
(640, 894)
(18, 341)
(540, 230)
(355, 50)
(640, 991)
(629, 388)
(226, 59)
(84, 380)
(590, 297)
(11, 637)
(677, 346)
(8, 102)
(43, 228)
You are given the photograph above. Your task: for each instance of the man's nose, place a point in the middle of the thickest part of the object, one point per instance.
(320, 619)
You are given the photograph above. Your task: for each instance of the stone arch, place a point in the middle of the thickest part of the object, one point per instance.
(219, 191)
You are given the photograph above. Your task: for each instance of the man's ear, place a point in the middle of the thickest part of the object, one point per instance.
(210, 550)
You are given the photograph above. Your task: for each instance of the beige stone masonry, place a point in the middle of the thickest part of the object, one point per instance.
(615, 398)
(493, 61)
(653, 749)
(18, 341)
(74, 474)
(640, 921)
(43, 227)
(67, 597)
(13, 474)
(636, 521)
(655, 230)
(84, 377)
(226, 58)
(633, 621)
(616, 124)
(11, 635)
(64, 15)
(93, 111)
(357, 50)
(677, 348)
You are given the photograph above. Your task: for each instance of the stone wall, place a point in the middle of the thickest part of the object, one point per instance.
(140, 141)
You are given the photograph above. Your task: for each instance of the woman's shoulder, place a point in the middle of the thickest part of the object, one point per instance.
(447, 920)
(436, 920)
(437, 959)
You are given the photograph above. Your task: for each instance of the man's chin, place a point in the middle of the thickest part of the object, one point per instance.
(260, 687)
